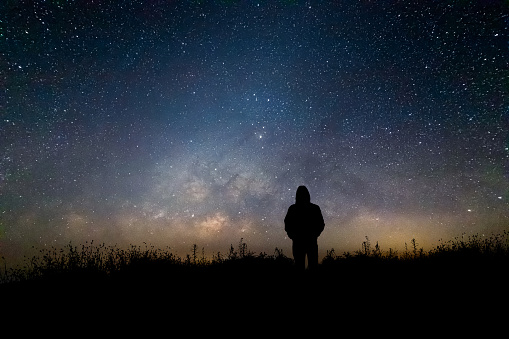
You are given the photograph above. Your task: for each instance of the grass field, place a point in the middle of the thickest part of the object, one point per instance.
(455, 268)
(455, 274)
(98, 262)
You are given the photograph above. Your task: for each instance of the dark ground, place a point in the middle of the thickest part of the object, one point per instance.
(461, 287)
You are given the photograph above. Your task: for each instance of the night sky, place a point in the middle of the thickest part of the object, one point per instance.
(181, 122)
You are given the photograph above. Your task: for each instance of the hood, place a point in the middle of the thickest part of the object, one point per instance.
(302, 196)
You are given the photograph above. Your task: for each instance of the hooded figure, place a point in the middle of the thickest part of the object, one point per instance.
(304, 224)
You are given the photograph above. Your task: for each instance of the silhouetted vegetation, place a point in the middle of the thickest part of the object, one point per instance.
(464, 262)
(102, 262)
(473, 247)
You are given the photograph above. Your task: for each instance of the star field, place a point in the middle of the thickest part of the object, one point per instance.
(180, 122)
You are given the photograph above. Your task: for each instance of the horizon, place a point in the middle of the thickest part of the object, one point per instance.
(12, 260)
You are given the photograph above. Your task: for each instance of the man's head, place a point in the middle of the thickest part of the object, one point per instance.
(302, 196)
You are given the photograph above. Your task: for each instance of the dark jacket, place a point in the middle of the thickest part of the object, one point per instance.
(304, 221)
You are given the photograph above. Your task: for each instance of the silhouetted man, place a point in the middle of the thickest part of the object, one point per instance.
(304, 224)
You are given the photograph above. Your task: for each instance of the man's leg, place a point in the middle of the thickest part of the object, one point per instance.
(312, 251)
(299, 255)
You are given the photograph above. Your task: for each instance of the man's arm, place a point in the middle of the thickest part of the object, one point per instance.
(289, 223)
(320, 224)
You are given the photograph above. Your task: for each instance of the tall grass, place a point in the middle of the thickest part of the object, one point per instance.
(476, 246)
(100, 262)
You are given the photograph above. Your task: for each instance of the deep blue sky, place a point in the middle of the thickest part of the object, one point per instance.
(174, 122)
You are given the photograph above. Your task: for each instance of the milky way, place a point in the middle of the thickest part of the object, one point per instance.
(178, 122)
